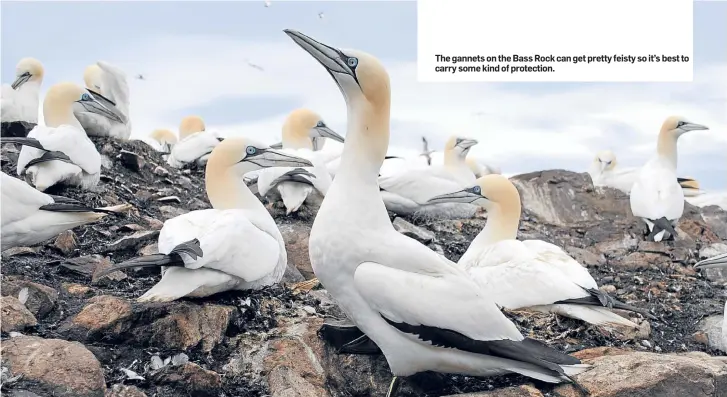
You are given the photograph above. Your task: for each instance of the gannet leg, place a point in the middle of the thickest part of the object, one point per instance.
(394, 387)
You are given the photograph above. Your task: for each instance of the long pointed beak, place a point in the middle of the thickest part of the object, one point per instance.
(693, 127)
(278, 145)
(325, 132)
(715, 261)
(462, 196)
(467, 143)
(275, 158)
(110, 112)
(22, 79)
(329, 57)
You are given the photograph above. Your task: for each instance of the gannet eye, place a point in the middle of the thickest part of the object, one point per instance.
(352, 62)
(251, 150)
(320, 124)
(680, 124)
(85, 97)
(476, 190)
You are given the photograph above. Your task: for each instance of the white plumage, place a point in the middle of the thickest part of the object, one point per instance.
(705, 199)
(114, 89)
(20, 100)
(195, 148)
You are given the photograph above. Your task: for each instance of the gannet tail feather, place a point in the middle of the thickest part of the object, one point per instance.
(600, 298)
(77, 207)
(32, 142)
(661, 224)
(595, 315)
(174, 258)
(63, 200)
(49, 156)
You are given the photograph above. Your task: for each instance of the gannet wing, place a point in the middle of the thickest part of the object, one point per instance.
(418, 185)
(656, 194)
(230, 242)
(66, 139)
(19, 200)
(554, 256)
(192, 148)
(114, 84)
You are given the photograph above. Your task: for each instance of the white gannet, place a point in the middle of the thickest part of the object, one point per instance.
(303, 135)
(717, 261)
(481, 168)
(426, 152)
(164, 139)
(195, 143)
(108, 85)
(604, 171)
(422, 311)
(20, 99)
(407, 192)
(235, 245)
(60, 151)
(656, 195)
(531, 273)
(30, 217)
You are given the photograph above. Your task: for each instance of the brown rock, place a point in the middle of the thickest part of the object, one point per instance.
(586, 257)
(41, 299)
(617, 248)
(76, 289)
(103, 312)
(103, 264)
(15, 316)
(60, 368)
(66, 242)
(169, 211)
(653, 247)
(155, 224)
(119, 390)
(641, 260)
(191, 378)
(514, 391)
(190, 325)
(292, 371)
(150, 249)
(296, 244)
(16, 251)
(599, 352)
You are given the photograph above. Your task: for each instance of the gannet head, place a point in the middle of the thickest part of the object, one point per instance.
(304, 125)
(28, 69)
(674, 127)
(92, 77)
(715, 261)
(190, 125)
(163, 136)
(63, 99)
(459, 145)
(488, 191)
(605, 160)
(243, 155)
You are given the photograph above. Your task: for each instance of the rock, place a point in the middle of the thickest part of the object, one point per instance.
(131, 160)
(641, 260)
(717, 273)
(710, 332)
(15, 316)
(102, 312)
(56, 367)
(161, 171)
(716, 219)
(66, 242)
(132, 242)
(41, 299)
(119, 390)
(653, 247)
(296, 244)
(191, 378)
(418, 233)
(15, 251)
(76, 289)
(650, 374)
(169, 211)
(103, 263)
(585, 257)
(617, 248)
(514, 391)
(292, 275)
(154, 224)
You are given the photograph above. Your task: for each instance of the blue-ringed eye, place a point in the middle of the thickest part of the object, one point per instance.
(681, 123)
(85, 97)
(476, 190)
(320, 124)
(251, 150)
(352, 62)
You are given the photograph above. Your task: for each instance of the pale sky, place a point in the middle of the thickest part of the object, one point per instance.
(194, 56)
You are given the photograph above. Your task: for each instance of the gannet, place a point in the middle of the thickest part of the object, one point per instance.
(605, 171)
(532, 273)
(481, 168)
(30, 217)
(60, 151)
(20, 99)
(656, 195)
(418, 307)
(304, 133)
(108, 85)
(164, 138)
(407, 192)
(235, 245)
(690, 187)
(426, 152)
(195, 143)
(717, 261)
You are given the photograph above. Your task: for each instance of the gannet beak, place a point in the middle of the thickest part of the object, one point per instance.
(274, 158)
(278, 145)
(693, 127)
(325, 132)
(604, 164)
(332, 59)
(22, 79)
(715, 261)
(462, 196)
(92, 105)
(467, 143)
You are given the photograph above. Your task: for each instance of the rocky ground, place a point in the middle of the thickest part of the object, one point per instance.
(67, 332)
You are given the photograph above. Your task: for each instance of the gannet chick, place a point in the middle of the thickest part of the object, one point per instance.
(30, 217)
(20, 99)
(195, 143)
(60, 151)
(713, 262)
(164, 138)
(407, 192)
(235, 245)
(304, 134)
(480, 168)
(398, 292)
(656, 195)
(530, 274)
(108, 85)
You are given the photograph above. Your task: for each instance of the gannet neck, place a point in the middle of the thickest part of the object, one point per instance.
(666, 147)
(453, 157)
(367, 140)
(503, 219)
(57, 111)
(227, 190)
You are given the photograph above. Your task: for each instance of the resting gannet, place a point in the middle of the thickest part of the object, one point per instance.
(60, 151)
(656, 195)
(407, 192)
(30, 217)
(604, 171)
(303, 136)
(235, 245)
(20, 99)
(421, 309)
(164, 139)
(532, 273)
(108, 85)
(717, 261)
(195, 143)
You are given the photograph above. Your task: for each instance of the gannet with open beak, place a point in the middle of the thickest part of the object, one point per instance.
(421, 309)
(656, 195)
(108, 85)
(530, 274)
(235, 245)
(713, 262)
(60, 151)
(303, 134)
(30, 217)
(20, 99)
(195, 143)
(164, 140)
(407, 192)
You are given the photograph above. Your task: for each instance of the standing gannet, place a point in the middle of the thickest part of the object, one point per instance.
(532, 273)
(108, 84)
(303, 136)
(717, 261)
(195, 143)
(20, 99)
(235, 245)
(164, 138)
(60, 151)
(421, 309)
(656, 195)
(407, 192)
(30, 217)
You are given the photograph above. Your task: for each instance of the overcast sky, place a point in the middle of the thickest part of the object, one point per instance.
(195, 58)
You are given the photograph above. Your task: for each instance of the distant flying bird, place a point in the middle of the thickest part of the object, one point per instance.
(426, 152)
(252, 65)
(140, 76)
(267, 3)
(320, 15)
